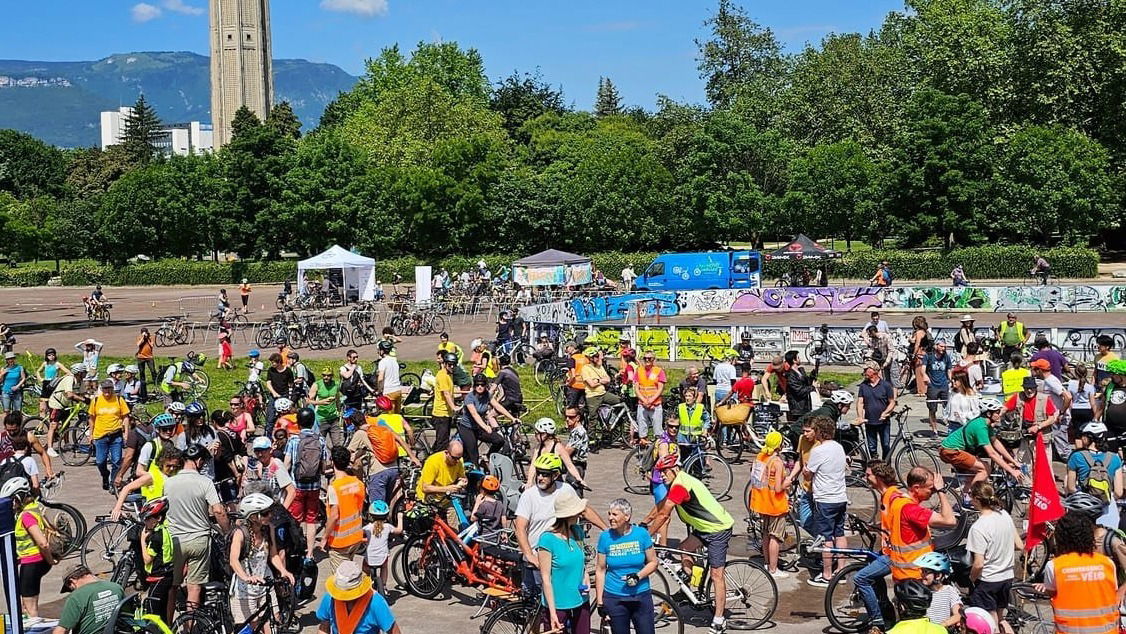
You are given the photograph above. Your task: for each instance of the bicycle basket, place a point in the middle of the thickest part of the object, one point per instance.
(733, 414)
(418, 519)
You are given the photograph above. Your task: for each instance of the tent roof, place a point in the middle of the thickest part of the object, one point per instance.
(551, 257)
(803, 248)
(336, 257)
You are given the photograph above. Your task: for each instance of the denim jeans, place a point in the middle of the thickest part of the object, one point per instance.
(379, 485)
(108, 447)
(882, 432)
(805, 510)
(869, 581)
(623, 611)
(12, 401)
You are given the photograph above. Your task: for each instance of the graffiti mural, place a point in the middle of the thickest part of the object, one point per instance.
(936, 297)
(704, 302)
(655, 340)
(701, 343)
(827, 299)
(606, 338)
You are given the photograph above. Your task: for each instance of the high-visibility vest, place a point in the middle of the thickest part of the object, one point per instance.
(25, 545)
(701, 511)
(165, 548)
(647, 387)
(903, 554)
(350, 506)
(580, 361)
(156, 488)
(763, 500)
(1085, 600)
(1012, 380)
(1019, 327)
(691, 423)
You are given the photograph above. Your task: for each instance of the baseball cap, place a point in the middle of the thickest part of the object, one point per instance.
(108, 383)
(1041, 364)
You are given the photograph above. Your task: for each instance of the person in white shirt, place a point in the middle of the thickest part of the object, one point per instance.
(826, 471)
(724, 374)
(387, 375)
(880, 324)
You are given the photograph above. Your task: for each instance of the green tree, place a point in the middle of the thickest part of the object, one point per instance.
(254, 165)
(283, 119)
(608, 102)
(141, 133)
(245, 122)
(520, 97)
(741, 63)
(833, 186)
(126, 220)
(21, 223)
(91, 171)
(30, 167)
(68, 233)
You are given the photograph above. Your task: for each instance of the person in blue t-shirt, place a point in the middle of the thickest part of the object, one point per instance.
(1092, 449)
(626, 558)
(352, 606)
(939, 365)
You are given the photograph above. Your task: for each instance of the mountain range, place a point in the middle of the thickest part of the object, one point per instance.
(60, 102)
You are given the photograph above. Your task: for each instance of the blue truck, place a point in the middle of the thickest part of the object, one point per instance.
(701, 271)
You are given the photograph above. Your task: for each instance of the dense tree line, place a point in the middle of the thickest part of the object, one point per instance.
(957, 122)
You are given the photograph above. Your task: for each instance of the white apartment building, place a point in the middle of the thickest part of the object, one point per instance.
(177, 138)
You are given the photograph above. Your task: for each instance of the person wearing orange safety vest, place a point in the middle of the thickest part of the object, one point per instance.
(1080, 581)
(906, 531)
(351, 606)
(575, 391)
(769, 483)
(344, 530)
(651, 381)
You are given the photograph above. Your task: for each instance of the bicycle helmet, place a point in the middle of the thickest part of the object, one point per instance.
(385, 346)
(77, 367)
(254, 354)
(255, 503)
(197, 453)
(379, 508)
(260, 443)
(548, 462)
(195, 408)
(187, 366)
(283, 404)
(1085, 504)
(163, 420)
(979, 621)
(384, 403)
(449, 358)
(1094, 429)
(114, 368)
(1118, 366)
(545, 426)
(668, 462)
(14, 487)
(293, 356)
(480, 379)
(490, 483)
(176, 407)
(157, 508)
(476, 343)
(935, 561)
(841, 397)
(990, 405)
(131, 369)
(306, 417)
(913, 597)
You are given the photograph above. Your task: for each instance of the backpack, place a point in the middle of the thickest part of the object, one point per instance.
(1097, 482)
(383, 443)
(461, 376)
(56, 541)
(10, 468)
(350, 385)
(649, 458)
(309, 457)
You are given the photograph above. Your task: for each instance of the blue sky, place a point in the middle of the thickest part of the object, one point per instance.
(645, 47)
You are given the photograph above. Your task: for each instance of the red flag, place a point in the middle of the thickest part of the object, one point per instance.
(1045, 505)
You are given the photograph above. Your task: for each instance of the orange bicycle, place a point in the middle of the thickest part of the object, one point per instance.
(435, 555)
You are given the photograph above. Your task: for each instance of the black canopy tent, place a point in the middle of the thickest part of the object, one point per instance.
(803, 248)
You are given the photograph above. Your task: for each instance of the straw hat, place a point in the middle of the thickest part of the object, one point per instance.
(568, 504)
(348, 583)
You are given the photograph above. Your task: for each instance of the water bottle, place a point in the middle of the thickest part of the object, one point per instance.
(697, 575)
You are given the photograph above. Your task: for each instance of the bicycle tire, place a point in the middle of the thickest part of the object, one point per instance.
(161, 337)
(789, 541)
(285, 606)
(636, 480)
(76, 446)
(358, 338)
(718, 479)
(124, 571)
(103, 546)
(909, 457)
(202, 382)
(70, 522)
(731, 452)
(863, 500)
(264, 337)
(196, 622)
(517, 617)
(843, 606)
(410, 379)
(426, 577)
(667, 617)
(105, 316)
(37, 426)
(750, 587)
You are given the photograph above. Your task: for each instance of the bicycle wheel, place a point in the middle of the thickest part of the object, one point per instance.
(200, 382)
(70, 522)
(411, 379)
(713, 471)
(103, 547)
(514, 618)
(105, 316)
(76, 446)
(908, 458)
(729, 443)
(755, 537)
(38, 427)
(438, 324)
(426, 573)
(124, 572)
(195, 622)
(264, 337)
(752, 595)
(863, 501)
(636, 478)
(843, 605)
(666, 615)
(162, 337)
(285, 606)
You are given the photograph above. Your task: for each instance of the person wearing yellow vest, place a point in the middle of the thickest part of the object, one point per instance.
(154, 464)
(691, 413)
(768, 498)
(351, 606)
(157, 550)
(32, 549)
(1013, 377)
(1081, 581)
(906, 527)
(651, 381)
(344, 527)
(1013, 336)
(709, 524)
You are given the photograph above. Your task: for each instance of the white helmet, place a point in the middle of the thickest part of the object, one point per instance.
(545, 425)
(16, 486)
(78, 367)
(1094, 428)
(476, 343)
(841, 397)
(176, 407)
(990, 405)
(261, 442)
(132, 369)
(283, 404)
(114, 367)
(254, 503)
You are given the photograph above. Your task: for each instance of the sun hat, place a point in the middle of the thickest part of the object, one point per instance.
(567, 504)
(1028, 383)
(967, 318)
(76, 571)
(348, 583)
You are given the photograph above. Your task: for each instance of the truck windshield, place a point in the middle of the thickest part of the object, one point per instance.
(745, 264)
(655, 269)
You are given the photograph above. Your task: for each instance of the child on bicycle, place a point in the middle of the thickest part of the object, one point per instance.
(946, 601)
(489, 510)
(156, 547)
(378, 532)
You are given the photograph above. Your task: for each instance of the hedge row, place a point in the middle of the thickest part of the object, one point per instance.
(978, 262)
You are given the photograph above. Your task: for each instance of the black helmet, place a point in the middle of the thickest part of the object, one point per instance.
(504, 359)
(746, 336)
(385, 346)
(306, 417)
(913, 598)
(480, 379)
(197, 453)
(450, 358)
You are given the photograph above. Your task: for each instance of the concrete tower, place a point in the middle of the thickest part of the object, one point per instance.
(241, 70)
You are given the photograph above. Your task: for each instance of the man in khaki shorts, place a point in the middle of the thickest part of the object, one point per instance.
(192, 499)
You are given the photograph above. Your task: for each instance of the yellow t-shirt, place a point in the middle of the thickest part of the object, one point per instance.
(450, 346)
(395, 422)
(594, 374)
(443, 383)
(108, 415)
(435, 471)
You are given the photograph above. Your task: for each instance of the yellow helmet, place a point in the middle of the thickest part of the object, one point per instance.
(548, 462)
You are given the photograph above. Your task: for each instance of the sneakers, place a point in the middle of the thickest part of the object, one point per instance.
(780, 574)
(818, 582)
(51, 452)
(718, 628)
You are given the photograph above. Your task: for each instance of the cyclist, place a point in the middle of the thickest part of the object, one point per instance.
(708, 522)
(156, 547)
(1080, 580)
(913, 599)
(67, 394)
(549, 443)
(1040, 270)
(32, 548)
(175, 382)
(964, 448)
(744, 351)
(147, 474)
(151, 482)
(946, 602)
(1093, 469)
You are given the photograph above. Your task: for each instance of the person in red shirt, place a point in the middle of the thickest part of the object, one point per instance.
(1036, 408)
(742, 390)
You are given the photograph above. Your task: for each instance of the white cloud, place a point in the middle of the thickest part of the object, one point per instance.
(143, 12)
(366, 8)
(178, 6)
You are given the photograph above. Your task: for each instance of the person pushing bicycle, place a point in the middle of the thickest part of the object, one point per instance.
(964, 448)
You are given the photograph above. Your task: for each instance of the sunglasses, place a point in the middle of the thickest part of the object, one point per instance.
(544, 474)
(650, 359)
(571, 416)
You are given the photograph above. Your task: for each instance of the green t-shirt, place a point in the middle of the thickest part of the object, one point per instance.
(327, 412)
(88, 608)
(971, 436)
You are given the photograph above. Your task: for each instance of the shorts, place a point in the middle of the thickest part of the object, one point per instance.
(828, 519)
(935, 394)
(306, 506)
(990, 595)
(962, 461)
(31, 577)
(660, 491)
(57, 415)
(774, 526)
(47, 389)
(716, 543)
(192, 561)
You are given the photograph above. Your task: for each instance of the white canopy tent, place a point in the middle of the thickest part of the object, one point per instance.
(358, 271)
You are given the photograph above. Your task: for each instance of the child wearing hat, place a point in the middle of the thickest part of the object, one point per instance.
(768, 499)
(351, 606)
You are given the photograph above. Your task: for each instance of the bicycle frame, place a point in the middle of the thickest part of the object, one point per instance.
(444, 540)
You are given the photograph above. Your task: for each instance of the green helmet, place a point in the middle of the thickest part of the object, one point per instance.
(1118, 366)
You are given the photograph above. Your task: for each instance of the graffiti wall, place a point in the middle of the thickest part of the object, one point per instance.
(650, 306)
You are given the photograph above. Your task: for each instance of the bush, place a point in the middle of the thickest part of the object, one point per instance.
(25, 276)
(996, 262)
